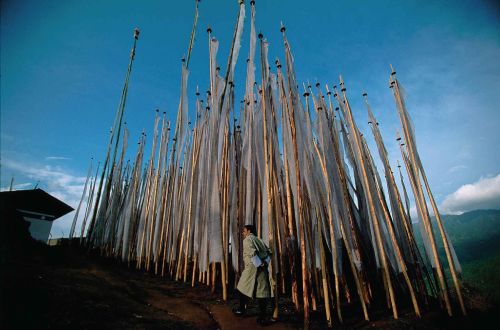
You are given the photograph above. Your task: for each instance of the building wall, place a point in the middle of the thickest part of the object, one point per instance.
(39, 229)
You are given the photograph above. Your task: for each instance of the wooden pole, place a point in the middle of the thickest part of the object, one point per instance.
(268, 166)
(370, 201)
(292, 231)
(419, 195)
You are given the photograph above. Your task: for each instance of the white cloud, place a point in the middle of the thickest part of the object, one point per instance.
(18, 186)
(483, 194)
(457, 168)
(56, 179)
(57, 158)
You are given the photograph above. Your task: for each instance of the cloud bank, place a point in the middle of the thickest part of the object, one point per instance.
(57, 158)
(19, 186)
(483, 194)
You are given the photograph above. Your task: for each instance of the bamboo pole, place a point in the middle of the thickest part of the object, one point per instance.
(116, 128)
(321, 158)
(292, 231)
(303, 252)
(419, 196)
(333, 235)
(75, 218)
(195, 263)
(224, 213)
(324, 279)
(445, 244)
(268, 165)
(370, 201)
(390, 228)
(155, 192)
(89, 204)
(196, 151)
(361, 288)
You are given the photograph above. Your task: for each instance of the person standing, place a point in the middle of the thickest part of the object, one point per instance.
(255, 281)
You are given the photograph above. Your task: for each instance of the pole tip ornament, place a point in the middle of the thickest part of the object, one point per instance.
(252, 3)
(282, 28)
(209, 29)
(136, 33)
(342, 86)
(260, 36)
(393, 72)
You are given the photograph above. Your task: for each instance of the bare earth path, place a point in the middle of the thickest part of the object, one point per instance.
(64, 288)
(61, 288)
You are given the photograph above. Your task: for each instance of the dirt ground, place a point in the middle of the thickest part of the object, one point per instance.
(66, 288)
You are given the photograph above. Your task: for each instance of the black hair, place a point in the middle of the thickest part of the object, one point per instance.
(251, 228)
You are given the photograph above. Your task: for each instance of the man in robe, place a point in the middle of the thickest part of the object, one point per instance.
(255, 281)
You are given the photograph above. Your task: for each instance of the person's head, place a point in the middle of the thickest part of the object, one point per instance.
(247, 230)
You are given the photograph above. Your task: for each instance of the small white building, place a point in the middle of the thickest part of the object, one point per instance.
(38, 208)
(40, 224)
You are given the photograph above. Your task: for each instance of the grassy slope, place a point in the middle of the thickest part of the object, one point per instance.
(476, 238)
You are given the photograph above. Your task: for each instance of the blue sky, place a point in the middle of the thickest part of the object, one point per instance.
(63, 65)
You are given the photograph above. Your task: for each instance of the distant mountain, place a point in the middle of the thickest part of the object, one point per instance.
(476, 238)
(474, 234)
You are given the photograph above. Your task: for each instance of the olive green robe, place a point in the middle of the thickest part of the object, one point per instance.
(250, 277)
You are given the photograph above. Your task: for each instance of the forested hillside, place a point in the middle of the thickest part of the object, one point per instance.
(476, 238)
